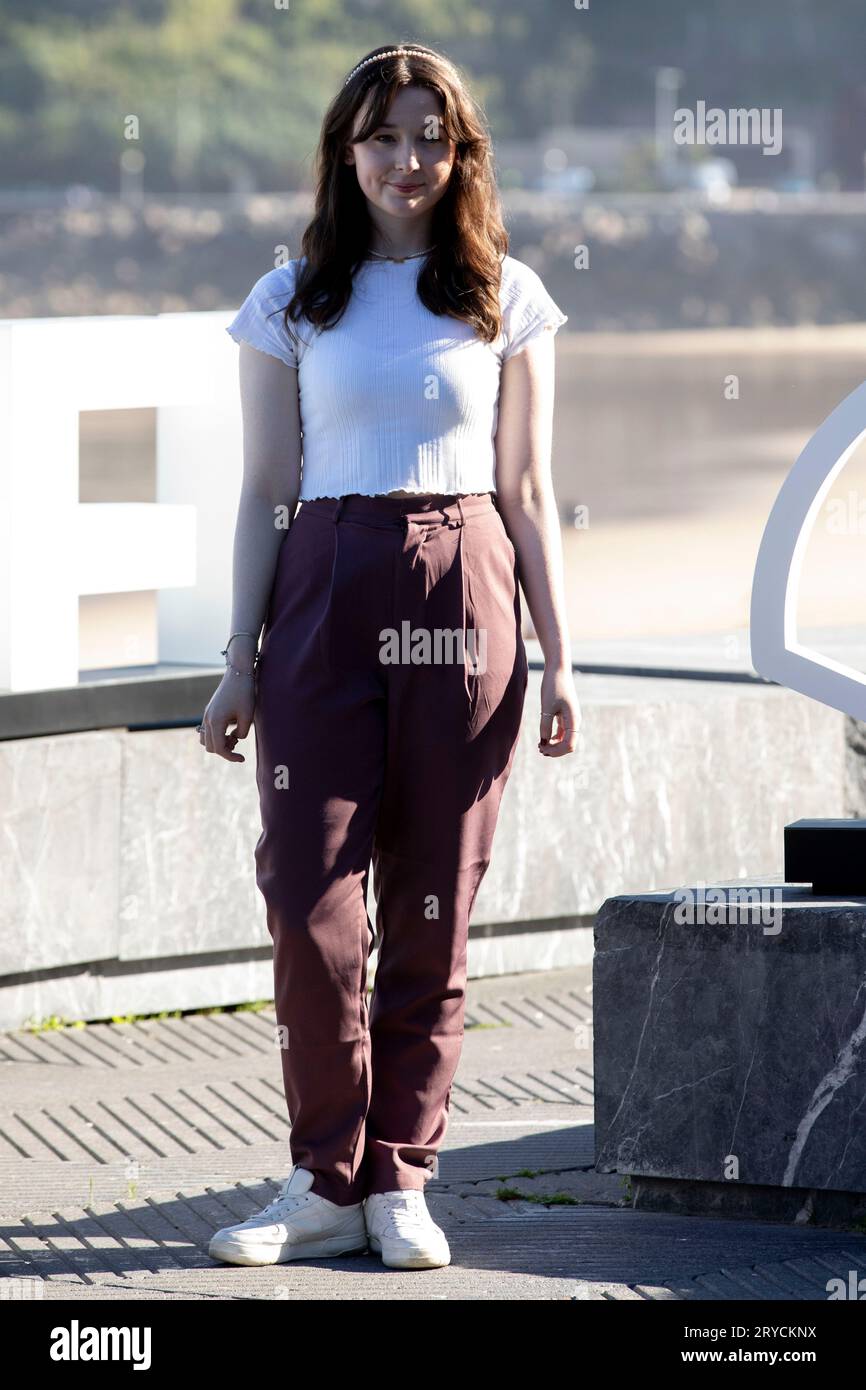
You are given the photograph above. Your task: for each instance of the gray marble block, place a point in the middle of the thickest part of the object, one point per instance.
(732, 1050)
(127, 857)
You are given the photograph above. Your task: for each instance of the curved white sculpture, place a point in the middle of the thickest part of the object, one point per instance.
(775, 649)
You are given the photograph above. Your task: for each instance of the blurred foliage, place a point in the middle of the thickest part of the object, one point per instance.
(232, 91)
(228, 90)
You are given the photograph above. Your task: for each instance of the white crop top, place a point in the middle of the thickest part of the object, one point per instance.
(393, 397)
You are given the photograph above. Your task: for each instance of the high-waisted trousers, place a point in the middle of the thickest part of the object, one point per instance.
(389, 695)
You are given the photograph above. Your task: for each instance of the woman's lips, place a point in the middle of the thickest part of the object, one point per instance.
(406, 187)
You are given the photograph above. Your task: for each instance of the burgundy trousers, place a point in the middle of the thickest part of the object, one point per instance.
(390, 691)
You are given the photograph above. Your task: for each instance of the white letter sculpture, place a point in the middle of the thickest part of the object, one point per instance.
(776, 652)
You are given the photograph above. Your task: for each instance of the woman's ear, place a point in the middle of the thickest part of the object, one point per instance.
(349, 155)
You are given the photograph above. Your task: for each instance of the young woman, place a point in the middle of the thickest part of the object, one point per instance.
(411, 360)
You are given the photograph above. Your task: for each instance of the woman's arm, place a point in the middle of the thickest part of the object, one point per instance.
(269, 494)
(524, 489)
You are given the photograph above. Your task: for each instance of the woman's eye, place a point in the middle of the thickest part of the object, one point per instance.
(425, 139)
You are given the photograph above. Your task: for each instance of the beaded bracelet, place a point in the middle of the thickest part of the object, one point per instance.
(225, 652)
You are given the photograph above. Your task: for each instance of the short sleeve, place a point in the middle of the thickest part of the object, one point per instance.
(260, 319)
(527, 309)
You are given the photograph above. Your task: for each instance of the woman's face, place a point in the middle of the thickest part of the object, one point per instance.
(404, 167)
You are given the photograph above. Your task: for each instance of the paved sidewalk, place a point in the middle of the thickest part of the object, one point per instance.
(123, 1147)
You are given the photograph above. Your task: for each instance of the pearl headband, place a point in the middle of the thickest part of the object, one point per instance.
(391, 53)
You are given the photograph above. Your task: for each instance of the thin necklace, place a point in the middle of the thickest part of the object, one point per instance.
(401, 259)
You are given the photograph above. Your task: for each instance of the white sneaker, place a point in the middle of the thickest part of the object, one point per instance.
(402, 1230)
(298, 1225)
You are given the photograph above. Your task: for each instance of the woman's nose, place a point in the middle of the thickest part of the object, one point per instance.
(408, 159)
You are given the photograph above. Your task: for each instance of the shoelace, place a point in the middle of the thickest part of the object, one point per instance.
(285, 1202)
(407, 1213)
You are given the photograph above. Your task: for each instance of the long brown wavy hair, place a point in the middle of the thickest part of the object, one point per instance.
(461, 275)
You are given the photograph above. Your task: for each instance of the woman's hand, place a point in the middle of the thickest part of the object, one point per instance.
(558, 701)
(233, 702)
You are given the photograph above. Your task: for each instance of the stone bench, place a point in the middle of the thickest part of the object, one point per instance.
(730, 1049)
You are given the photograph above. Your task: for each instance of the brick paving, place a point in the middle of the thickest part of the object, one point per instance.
(124, 1146)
